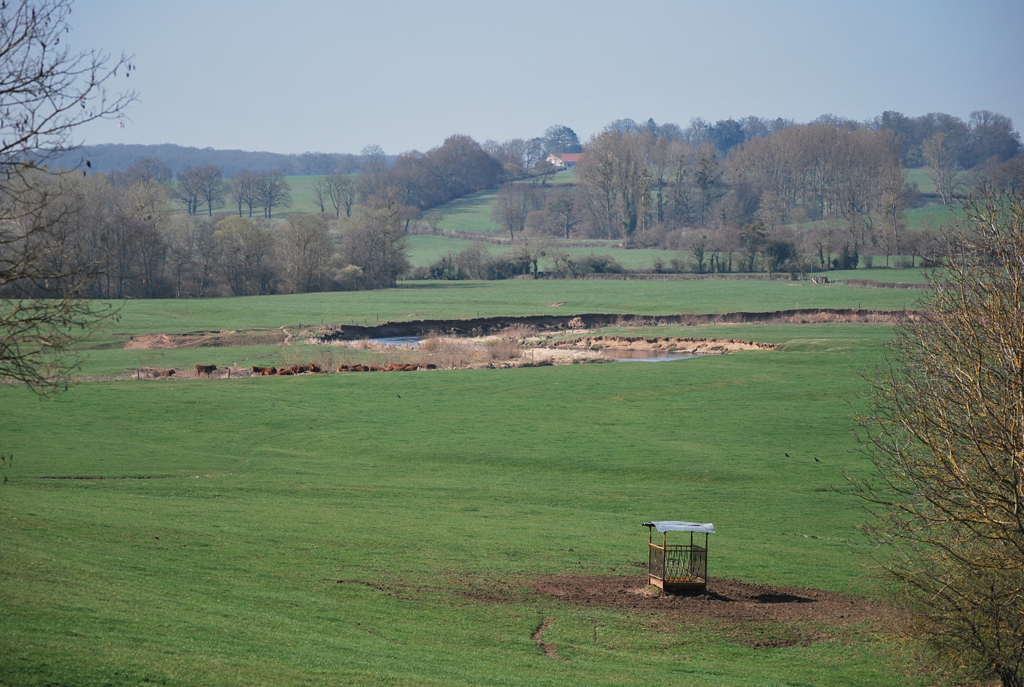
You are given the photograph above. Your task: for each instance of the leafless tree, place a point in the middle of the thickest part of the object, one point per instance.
(246, 251)
(343, 191)
(617, 174)
(943, 168)
(144, 169)
(944, 435)
(187, 190)
(561, 207)
(209, 180)
(46, 92)
(306, 253)
(373, 171)
(273, 190)
(696, 243)
(707, 175)
(320, 166)
(374, 242)
(512, 205)
(896, 199)
(244, 189)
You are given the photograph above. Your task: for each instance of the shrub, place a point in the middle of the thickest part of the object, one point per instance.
(504, 349)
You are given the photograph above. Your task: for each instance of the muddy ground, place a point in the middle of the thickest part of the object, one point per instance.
(725, 600)
(208, 339)
(756, 615)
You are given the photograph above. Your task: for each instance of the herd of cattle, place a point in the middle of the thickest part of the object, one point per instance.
(310, 368)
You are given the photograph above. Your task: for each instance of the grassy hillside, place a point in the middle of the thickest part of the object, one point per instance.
(424, 250)
(472, 213)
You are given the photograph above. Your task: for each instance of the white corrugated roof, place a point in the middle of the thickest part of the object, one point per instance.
(678, 526)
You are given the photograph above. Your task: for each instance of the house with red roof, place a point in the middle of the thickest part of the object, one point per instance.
(564, 160)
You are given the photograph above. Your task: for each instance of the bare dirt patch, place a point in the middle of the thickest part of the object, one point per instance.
(692, 346)
(757, 615)
(724, 599)
(209, 339)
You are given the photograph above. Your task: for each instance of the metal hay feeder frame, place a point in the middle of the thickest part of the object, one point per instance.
(678, 567)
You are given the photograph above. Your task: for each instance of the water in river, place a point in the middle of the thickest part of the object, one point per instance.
(626, 355)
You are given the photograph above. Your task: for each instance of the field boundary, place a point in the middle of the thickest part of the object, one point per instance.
(420, 230)
(873, 284)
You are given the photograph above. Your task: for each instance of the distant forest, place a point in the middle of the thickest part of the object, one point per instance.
(985, 135)
(110, 157)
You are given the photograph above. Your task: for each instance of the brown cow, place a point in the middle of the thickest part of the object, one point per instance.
(285, 372)
(431, 366)
(343, 368)
(257, 370)
(314, 368)
(164, 374)
(205, 369)
(269, 371)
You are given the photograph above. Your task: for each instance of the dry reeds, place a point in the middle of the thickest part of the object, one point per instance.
(431, 343)
(519, 331)
(504, 349)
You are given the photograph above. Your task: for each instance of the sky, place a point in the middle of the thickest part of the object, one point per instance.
(335, 76)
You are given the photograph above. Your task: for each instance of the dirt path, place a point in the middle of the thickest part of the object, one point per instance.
(550, 649)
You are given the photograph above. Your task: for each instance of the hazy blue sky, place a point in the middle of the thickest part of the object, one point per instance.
(335, 76)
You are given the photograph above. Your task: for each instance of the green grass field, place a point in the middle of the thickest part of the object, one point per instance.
(434, 498)
(303, 200)
(425, 250)
(924, 182)
(417, 300)
(905, 275)
(431, 495)
(472, 213)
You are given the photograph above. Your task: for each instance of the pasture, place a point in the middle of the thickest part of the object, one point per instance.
(425, 250)
(392, 529)
(416, 300)
(472, 213)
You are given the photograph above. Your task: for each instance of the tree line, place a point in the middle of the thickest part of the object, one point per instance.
(103, 240)
(116, 235)
(651, 185)
(662, 186)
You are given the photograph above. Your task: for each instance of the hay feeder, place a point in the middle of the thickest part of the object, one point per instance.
(678, 567)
